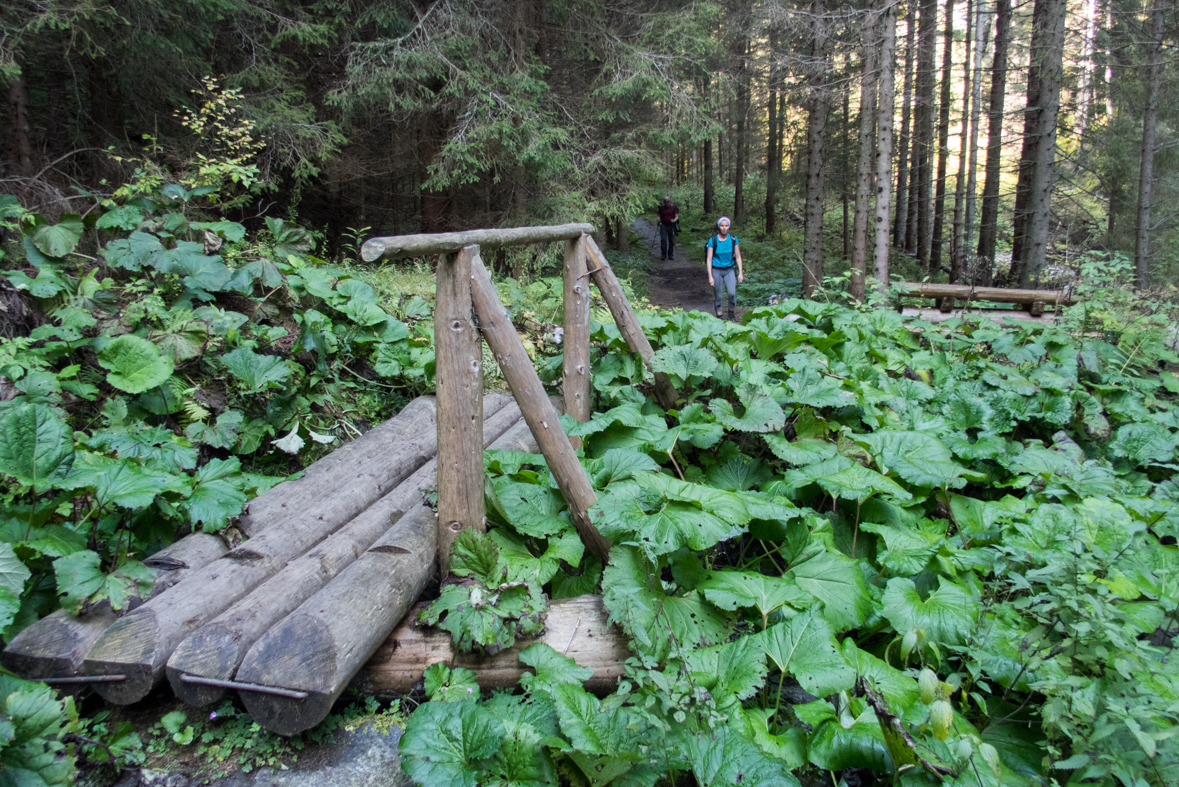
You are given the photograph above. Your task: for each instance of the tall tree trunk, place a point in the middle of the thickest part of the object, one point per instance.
(743, 98)
(864, 161)
(981, 30)
(901, 224)
(988, 230)
(816, 172)
(923, 139)
(943, 142)
(845, 163)
(772, 137)
(1149, 126)
(956, 255)
(1048, 50)
(708, 187)
(884, 121)
(1088, 64)
(20, 145)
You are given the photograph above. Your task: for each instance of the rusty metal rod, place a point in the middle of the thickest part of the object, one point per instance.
(233, 684)
(82, 679)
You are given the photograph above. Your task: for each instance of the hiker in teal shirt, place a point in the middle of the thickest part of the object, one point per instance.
(722, 256)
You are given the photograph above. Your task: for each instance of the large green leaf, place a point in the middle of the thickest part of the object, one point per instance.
(762, 414)
(523, 566)
(58, 240)
(741, 589)
(257, 372)
(918, 458)
(846, 479)
(811, 388)
(551, 669)
(135, 365)
(658, 624)
(907, 550)
(81, 581)
(836, 581)
(684, 362)
(948, 616)
(36, 447)
(730, 672)
(805, 647)
(801, 452)
(850, 741)
(532, 509)
(725, 758)
(444, 741)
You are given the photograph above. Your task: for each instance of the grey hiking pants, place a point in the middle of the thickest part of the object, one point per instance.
(725, 278)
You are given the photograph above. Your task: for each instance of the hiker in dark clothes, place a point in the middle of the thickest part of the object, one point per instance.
(669, 214)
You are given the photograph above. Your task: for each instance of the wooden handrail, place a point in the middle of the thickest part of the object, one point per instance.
(398, 246)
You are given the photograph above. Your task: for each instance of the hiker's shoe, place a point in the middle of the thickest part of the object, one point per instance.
(732, 317)
(720, 316)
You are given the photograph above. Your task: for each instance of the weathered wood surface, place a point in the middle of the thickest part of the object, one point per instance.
(363, 468)
(391, 248)
(538, 411)
(993, 294)
(576, 627)
(350, 595)
(458, 381)
(55, 646)
(216, 650)
(139, 645)
(320, 646)
(995, 315)
(575, 343)
(627, 322)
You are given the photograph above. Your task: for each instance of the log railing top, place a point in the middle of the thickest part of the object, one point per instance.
(398, 246)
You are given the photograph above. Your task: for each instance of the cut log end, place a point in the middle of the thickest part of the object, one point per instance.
(212, 652)
(128, 648)
(302, 647)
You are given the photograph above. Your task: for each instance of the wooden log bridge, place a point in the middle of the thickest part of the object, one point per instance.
(335, 559)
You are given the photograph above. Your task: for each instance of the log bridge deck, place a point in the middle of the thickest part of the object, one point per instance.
(334, 560)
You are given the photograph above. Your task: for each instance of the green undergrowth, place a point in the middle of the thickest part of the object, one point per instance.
(172, 366)
(858, 550)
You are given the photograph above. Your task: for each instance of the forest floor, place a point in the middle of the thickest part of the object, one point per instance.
(679, 283)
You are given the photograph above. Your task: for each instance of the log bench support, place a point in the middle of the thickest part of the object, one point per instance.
(463, 287)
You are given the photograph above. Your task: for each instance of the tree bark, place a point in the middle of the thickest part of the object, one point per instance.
(924, 122)
(576, 339)
(539, 412)
(957, 260)
(864, 162)
(742, 141)
(56, 645)
(396, 247)
(216, 650)
(943, 142)
(628, 324)
(1048, 47)
(884, 123)
(322, 644)
(578, 628)
(988, 230)
(981, 36)
(901, 223)
(20, 145)
(773, 135)
(816, 175)
(1159, 12)
(139, 644)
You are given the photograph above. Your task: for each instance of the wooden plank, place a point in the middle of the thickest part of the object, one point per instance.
(576, 627)
(538, 411)
(139, 644)
(353, 589)
(575, 343)
(459, 387)
(627, 322)
(338, 470)
(216, 650)
(993, 294)
(398, 246)
(55, 645)
(321, 645)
